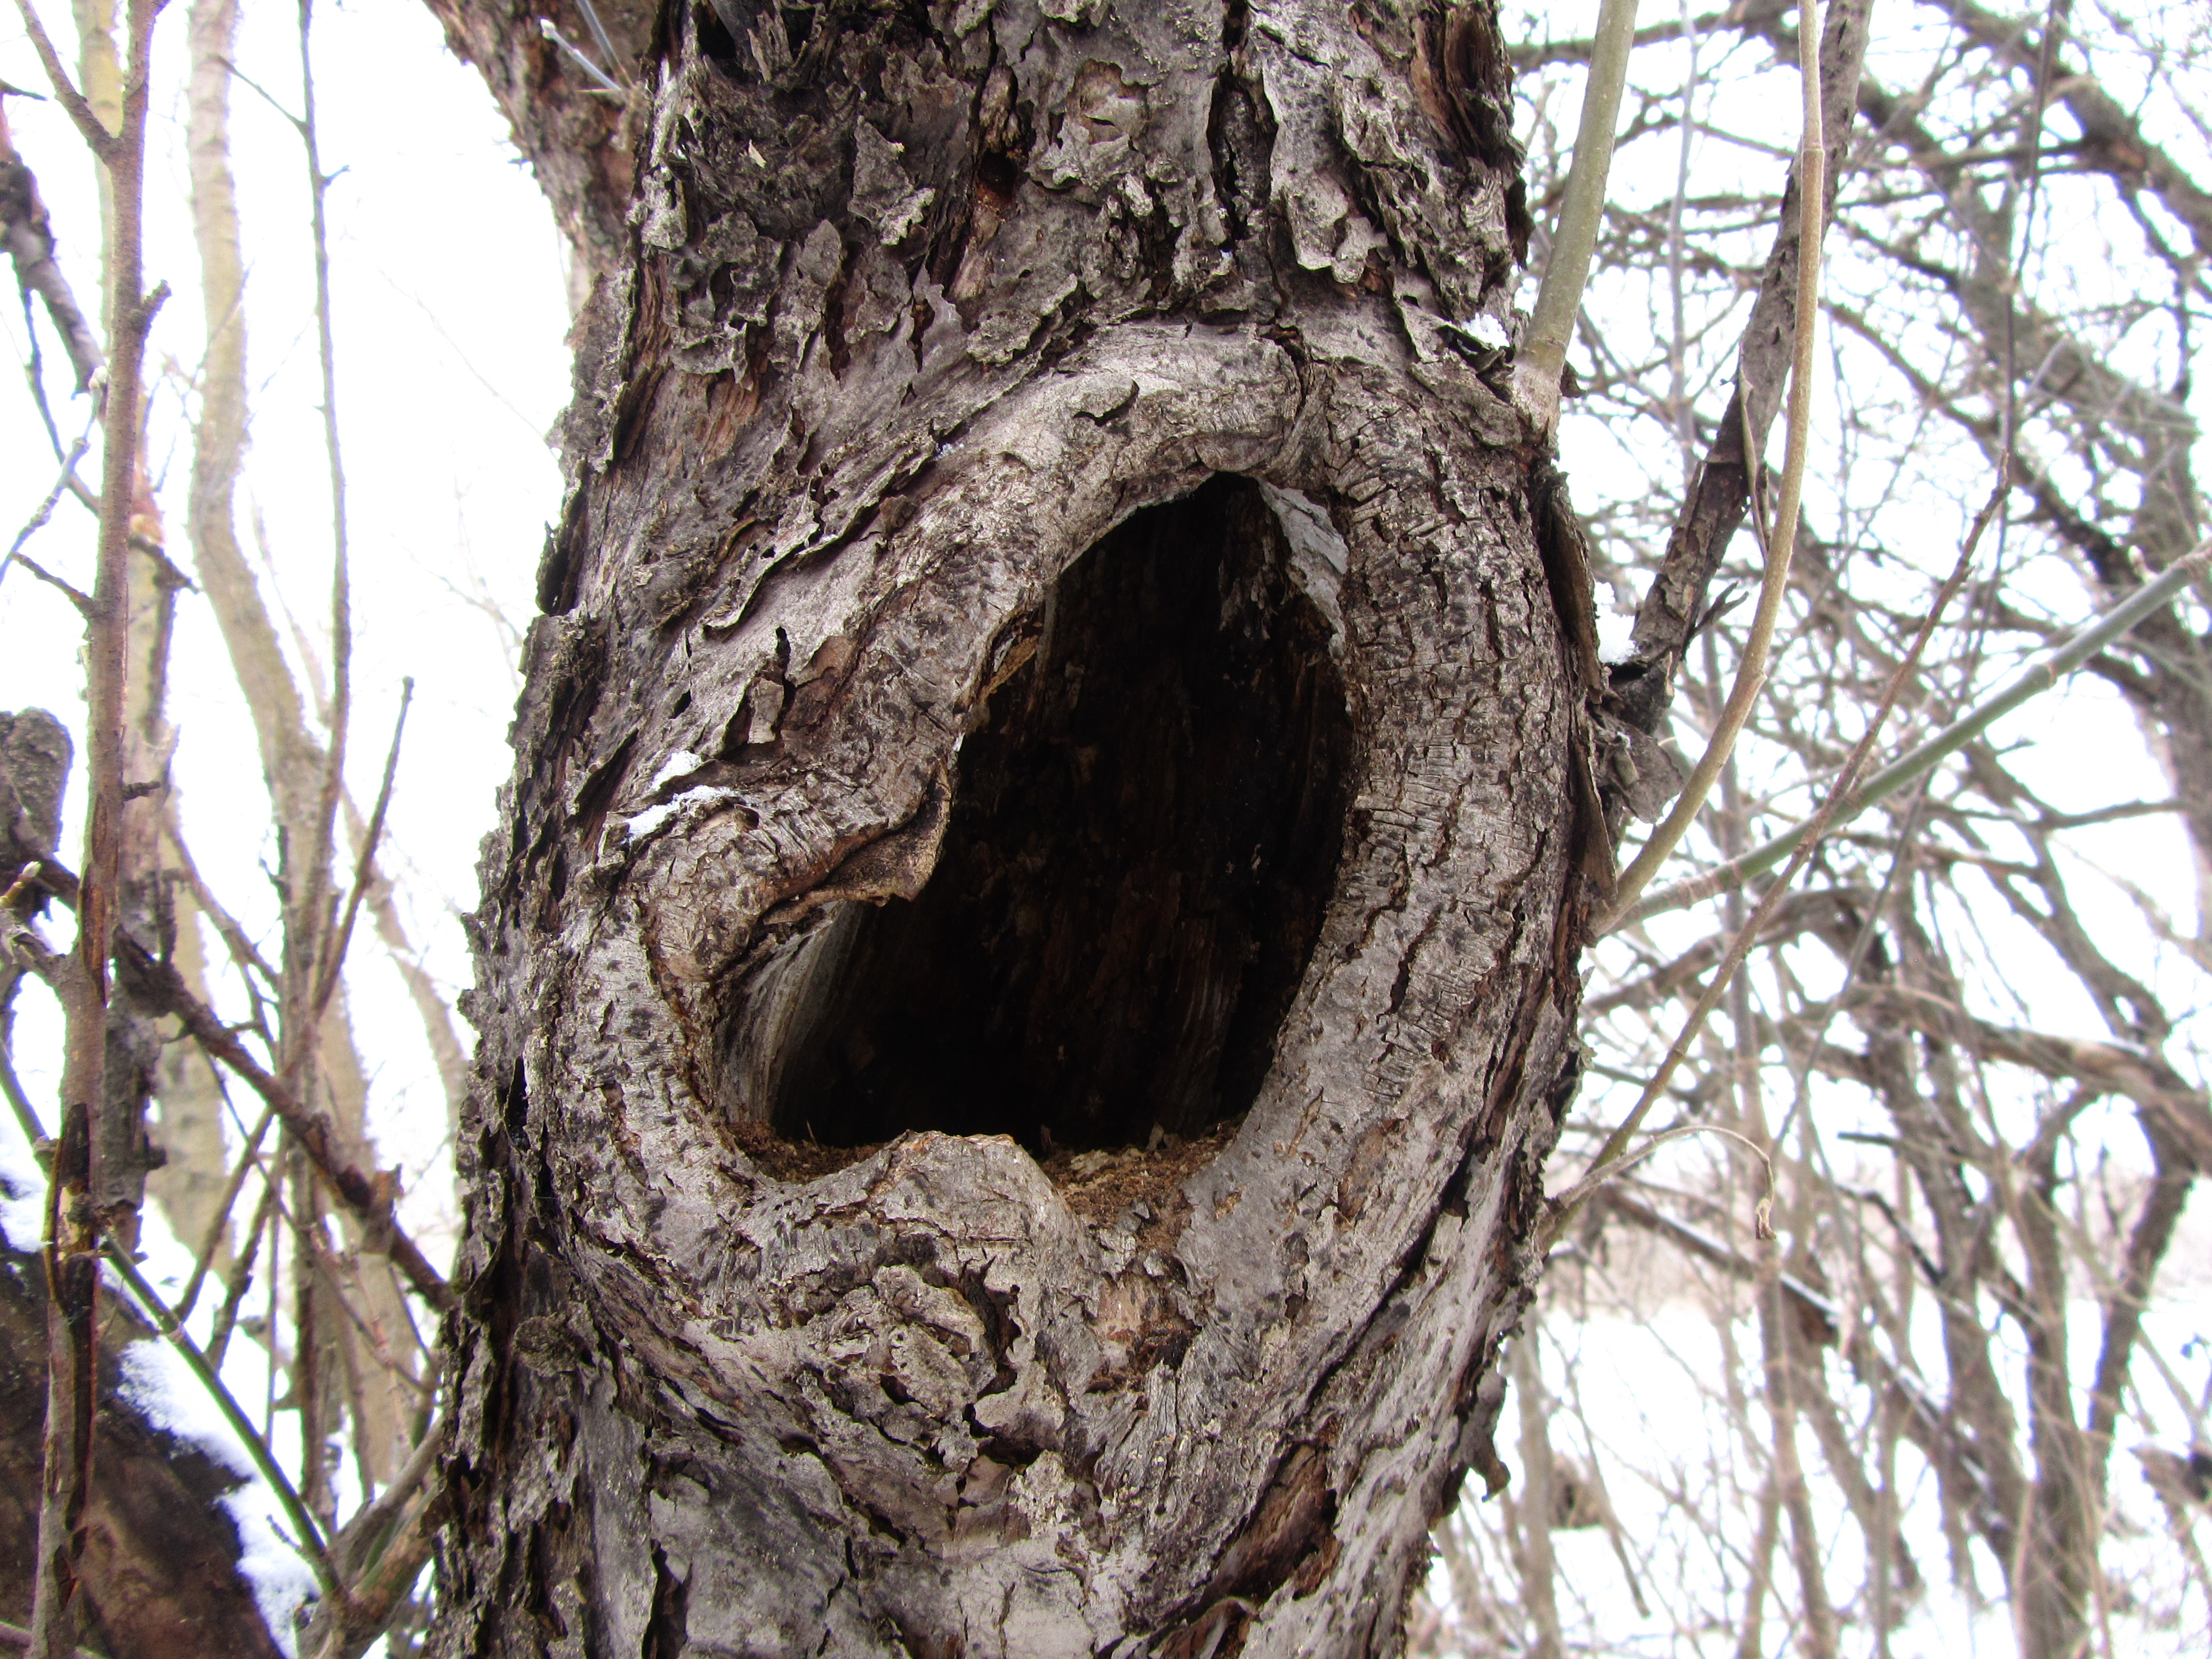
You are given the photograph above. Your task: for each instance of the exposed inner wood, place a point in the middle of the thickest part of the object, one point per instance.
(1143, 837)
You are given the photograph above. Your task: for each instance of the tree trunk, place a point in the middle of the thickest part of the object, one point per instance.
(1028, 970)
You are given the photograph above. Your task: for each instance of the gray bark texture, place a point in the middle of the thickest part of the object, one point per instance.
(1028, 968)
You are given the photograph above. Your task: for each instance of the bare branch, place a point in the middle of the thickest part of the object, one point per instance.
(98, 139)
(1781, 541)
(1542, 353)
(30, 240)
(334, 947)
(2031, 680)
(370, 1198)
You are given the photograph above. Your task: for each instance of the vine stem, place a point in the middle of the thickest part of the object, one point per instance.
(311, 1537)
(1781, 539)
(1542, 353)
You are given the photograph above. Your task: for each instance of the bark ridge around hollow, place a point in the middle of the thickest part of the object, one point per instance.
(941, 363)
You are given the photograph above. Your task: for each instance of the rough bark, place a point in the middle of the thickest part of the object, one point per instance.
(1057, 653)
(35, 751)
(29, 239)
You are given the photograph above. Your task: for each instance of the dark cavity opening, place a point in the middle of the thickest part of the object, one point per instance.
(1143, 837)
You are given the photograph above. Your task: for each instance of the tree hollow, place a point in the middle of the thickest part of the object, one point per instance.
(1143, 835)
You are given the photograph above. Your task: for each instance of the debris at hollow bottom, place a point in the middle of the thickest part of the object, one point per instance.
(796, 1160)
(1098, 1185)
(1101, 1186)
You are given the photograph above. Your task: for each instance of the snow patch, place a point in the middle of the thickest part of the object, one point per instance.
(22, 1196)
(282, 1581)
(679, 764)
(161, 1387)
(1616, 642)
(690, 803)
(1485, 332)
(651, 819)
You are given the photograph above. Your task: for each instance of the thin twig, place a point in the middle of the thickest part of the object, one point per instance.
(76, 595)
(599, 33)
(98, 139)
(608, 86)
(382, 1549)
(1560, 1213)
(1542, 353)
(241, 1279)
(38, 520)
(2031, 680)
(265, 95)
(219, 1225)
(370, 1198)
(1578, 1195)
(364, 863)
(312, 912)
(241, 948)
(26, 1116)
(367, 1538)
